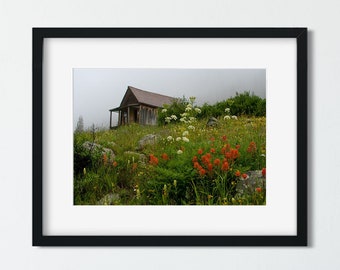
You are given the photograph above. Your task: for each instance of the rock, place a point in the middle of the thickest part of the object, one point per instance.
(138, 156)
(97, 147)
(149, 139)
(109, 199)
(212, 122)
(254, 180)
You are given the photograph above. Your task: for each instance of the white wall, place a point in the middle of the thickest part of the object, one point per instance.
(16, 20)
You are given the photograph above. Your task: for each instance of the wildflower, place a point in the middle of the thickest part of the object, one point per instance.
(164, 110)
(188, 109)
(234, 117)
(185, 139)
(213, 150)
(178, 139)
(196, 165)
(179, 152)
(167, 119)
(183, 119)
(170, 138)
(200, 151)
(227, 117)
(134, 166)
(115, 164)
(184, 115)
(194, 159)
(153, 160)
(245, 176)
(202, 172)
(212, 139)
(191, 127)
(174, 117)
(165, 156)
(237, 173)
(237, 146)
(105, 159)
(217, 162)
(258, 189)
(225, 166)
(210, 167)
(198, 110)
(224, 138)
(264, 172)
(185, 133)
(252, 147)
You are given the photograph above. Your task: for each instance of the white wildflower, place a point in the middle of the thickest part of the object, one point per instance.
(184, 114)
(191, 127)
(164, 110)
(179, 152)
(227, 110)
(198, 110)
(168, 119)
(174, 117)
(188, 109)
(185, 133)
(192, 119)
(227, 117)
(234, 117)
(178, 139)
(183, 119)
(185, 139)
(170, 138)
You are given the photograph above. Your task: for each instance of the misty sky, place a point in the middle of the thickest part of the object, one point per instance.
(98, 90)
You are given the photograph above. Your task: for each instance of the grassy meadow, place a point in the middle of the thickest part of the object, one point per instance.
(186, 163)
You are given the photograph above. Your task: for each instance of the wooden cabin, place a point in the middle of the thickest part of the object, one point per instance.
(139, 106)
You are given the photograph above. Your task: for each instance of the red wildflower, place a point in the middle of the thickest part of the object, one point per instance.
(237, 173)
(225, 166)
(258, 189)
(153, 160)
(210, 167)
(264, 172)
(202, 172)
(224, 138)
(234, 153)
(115, 164)
(165, 156)
(212, 139)
(196, 165)
(245, 176)
(252, 147)
(194, 159)
(212, 150)
(200, 151)
(217, 162)
(237, 146)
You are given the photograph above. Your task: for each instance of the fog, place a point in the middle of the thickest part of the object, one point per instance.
(95, 91)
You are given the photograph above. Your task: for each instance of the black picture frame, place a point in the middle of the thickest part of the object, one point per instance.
(39, 239)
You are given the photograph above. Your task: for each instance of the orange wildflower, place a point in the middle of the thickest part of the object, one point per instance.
(264, 172)
(212, 150)
(237, 146)
(224, 138)
(252, 147)
(202, 172)
(115, 164)
(200, 151)
(194, 159)
(245, 176)
(165, 156)
(105, 159)
(196, 165)
(258, 189)
(210, 167)
(237, 173)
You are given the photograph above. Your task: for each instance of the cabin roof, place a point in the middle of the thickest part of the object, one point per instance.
(134, 95)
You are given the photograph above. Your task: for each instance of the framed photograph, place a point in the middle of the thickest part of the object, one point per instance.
(167, 136)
